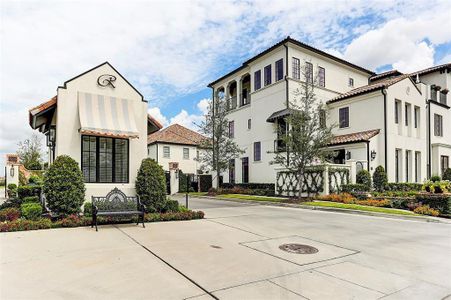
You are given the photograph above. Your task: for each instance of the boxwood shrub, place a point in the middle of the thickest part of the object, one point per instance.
(64, 186)
(379, 179)
(440, 202)
(403, 186)
(31, 211)
(353, 188)
(29, 199)
(364, 177)
(151, 185)
(28, 191)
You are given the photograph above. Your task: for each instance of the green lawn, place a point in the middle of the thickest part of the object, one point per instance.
(251, 197)
(361, 207)
(320, 204)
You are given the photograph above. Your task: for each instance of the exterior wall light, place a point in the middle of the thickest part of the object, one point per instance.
(373, 154)
(11, 171)
(348, 155)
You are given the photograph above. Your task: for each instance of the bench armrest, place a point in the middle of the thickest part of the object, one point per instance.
(141, 206)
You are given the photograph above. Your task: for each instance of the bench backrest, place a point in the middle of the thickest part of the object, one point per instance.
(116, 200)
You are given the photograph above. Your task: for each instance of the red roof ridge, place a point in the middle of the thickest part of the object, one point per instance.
(354, 137)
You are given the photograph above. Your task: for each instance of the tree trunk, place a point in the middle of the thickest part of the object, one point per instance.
(301, 183)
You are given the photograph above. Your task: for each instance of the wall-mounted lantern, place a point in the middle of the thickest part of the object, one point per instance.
(348, 155)
(11, 171)
(373, 154)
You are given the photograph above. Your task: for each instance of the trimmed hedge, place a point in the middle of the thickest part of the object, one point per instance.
(355, 188)
(440, 202)
(87, 209)
(29, 191)
(379, 179)
(76, 221)
(151, 185)
(29, 199)
(364, 177)
(64, 186)
(171, 206)
(31, 211)
(259, 189)
(403, 186)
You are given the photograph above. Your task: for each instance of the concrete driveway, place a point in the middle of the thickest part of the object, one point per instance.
(233, 254)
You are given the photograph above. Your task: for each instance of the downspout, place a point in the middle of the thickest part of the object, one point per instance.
(286, 75)
(384, 92)
(157, 150)
(287, 102)
(368, 155)
(429, 140)
(213, 134)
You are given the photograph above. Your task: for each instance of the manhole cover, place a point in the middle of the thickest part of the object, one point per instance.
(298, 248)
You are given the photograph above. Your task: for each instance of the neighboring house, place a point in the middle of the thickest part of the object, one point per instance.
(176, 144)
(99, 119)
(259, 91)
(382, 119)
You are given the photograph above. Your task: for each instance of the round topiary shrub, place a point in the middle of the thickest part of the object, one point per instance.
(435, 178)
(364, 177)
(447, 174)
(379, 179)
(151, 185)
(31, 211)
(64, 187)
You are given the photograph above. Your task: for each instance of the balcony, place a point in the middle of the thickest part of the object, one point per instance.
(245, 98)
(280, 145)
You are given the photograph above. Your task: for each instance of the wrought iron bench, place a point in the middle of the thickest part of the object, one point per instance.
(116, 203)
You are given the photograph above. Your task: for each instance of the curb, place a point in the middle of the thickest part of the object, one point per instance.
(333, 209)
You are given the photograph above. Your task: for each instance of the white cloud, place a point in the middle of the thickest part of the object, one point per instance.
(156, 113)
(190, 121)
(401, 42)
(172, 48)
(202, 105)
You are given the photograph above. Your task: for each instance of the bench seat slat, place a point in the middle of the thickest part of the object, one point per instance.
(127, 212)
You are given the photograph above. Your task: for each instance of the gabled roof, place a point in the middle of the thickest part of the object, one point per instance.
(176, 134)
(297, 43)
(432, 69)
(154, 121)
(370, 88)
(105, 63)
(391, 73)
(355, 137)
(45, 109)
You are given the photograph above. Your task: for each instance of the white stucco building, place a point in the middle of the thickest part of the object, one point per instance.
(176, 144)
(383, 119)
(100, 120)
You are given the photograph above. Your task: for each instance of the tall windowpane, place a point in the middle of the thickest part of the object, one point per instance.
(232, 171)
(89, 158)
(296, 68)
(257, 80)
(321, 76)
(438, 125)
(279, 69)
(267, 75)
(397, 103)
(309, 72)
(245, 169)
(105, 160)
(343, 117)
(121, 160)
(257, 151)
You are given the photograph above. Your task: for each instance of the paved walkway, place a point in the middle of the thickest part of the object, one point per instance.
(233, 254)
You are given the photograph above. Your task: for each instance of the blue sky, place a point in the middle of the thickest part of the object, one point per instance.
(171, 50)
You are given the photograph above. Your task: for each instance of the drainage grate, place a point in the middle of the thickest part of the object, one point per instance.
(298, 248)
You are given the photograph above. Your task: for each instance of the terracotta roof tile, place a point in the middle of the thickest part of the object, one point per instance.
(43, 106)
(431, 69)
(154, 121)
(385, 74)
(176, 134)
(361, 136)
(369, 88)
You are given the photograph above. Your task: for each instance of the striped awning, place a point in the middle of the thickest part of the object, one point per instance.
(106, 116)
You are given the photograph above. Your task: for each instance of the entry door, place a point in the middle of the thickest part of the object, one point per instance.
(245, 169)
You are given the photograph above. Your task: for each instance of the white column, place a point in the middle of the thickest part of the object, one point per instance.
(174, 179)
(326, 180)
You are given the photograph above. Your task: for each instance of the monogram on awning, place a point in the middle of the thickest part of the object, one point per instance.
(106, 116)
